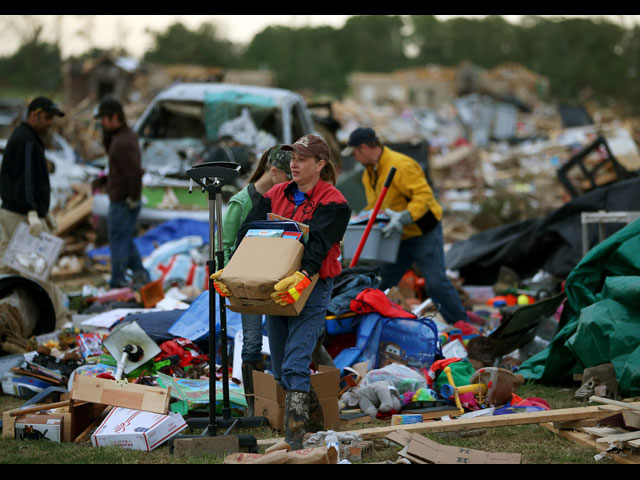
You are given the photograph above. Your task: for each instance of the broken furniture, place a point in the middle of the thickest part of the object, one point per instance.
(606, 170)
(89, 400)
(520, 324)
(601, 218)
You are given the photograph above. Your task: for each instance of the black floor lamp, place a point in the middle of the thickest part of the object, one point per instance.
(212, 177)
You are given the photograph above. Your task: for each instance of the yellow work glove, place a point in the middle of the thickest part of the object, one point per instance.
(288, 290)
(35, 224)
(220, 287)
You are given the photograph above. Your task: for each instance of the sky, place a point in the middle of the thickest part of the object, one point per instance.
(77, 33)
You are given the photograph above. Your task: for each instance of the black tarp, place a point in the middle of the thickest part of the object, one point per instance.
(552, 243)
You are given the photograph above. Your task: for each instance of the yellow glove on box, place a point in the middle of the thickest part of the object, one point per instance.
(288, 290)
(220, 287)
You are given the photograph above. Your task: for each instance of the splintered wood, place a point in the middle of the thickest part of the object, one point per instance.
(109, 392)
(619, 442)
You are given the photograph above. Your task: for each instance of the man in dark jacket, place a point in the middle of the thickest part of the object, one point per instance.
(124, 187)
(24, 184)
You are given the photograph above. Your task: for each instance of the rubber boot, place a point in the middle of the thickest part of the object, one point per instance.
(296, 417)
(247, 381)
(316, 417)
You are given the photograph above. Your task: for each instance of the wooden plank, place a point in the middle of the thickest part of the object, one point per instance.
(69, 219)
(620, 437)
(463, 424)
(586, 440)
(602, 431)
(576, 424)
(109, 392)
(630, 406)
(631, 418)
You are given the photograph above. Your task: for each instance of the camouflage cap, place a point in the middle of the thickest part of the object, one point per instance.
(280, 159)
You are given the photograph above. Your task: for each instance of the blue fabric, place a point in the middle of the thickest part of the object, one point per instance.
(251, 337)
(124, 253)
(341, 298)
(293, 339)
(427, 253)
(193, 324)
(165, 232)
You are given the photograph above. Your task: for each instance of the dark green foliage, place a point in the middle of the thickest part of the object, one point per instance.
(582, 58)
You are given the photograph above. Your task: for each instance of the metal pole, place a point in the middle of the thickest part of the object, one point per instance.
(212, 429)
(226, 410)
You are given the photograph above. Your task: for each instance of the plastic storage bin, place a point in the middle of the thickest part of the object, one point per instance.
(376, 248)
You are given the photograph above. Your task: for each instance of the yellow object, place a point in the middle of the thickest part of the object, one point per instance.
(220, 287)
(523, 300)
(288, 290)
(478, 389)
(447, 372)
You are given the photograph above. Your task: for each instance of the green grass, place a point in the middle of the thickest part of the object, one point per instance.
(536, 444)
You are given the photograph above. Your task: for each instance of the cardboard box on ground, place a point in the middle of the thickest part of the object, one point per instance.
(269, 396)
(256, 266)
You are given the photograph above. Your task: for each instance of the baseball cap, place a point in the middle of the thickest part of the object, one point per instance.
(359, 136)
(46, 105)
(281, 159)
(108, 106)
(310, 145)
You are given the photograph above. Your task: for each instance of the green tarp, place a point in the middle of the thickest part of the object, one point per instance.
(601, 318)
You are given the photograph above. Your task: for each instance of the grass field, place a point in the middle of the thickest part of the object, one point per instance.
(536, 444)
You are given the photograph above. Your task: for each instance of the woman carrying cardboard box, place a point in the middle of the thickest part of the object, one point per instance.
(273, 168)
(310, 198)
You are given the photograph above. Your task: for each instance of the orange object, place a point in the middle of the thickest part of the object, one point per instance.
(152, 293)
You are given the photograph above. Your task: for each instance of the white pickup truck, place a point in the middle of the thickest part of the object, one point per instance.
(181, 126)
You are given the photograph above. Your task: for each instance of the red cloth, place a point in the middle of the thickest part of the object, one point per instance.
(373, 300)
(186, 350)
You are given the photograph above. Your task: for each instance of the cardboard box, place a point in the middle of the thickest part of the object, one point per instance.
(40, 427)
(256, 266)
(269, 397)
(137, 429)
(420, 449)
(32, 256)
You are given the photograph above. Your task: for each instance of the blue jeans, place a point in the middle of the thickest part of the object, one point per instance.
(293, 339)
(124, 253)
(251, 337)
(426, 251)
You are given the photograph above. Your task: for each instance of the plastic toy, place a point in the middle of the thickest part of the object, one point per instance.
(450, 390)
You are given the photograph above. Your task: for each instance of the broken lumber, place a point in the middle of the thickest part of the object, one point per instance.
(560, 415)
(465, 424)
(67, 220)
(131, 395)
(584, 439)
(631, 406)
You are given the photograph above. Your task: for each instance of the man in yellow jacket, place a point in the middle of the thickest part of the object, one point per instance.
(414, 213)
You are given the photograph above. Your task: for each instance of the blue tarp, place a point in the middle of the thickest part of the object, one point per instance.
(165, 232)
(193, 324)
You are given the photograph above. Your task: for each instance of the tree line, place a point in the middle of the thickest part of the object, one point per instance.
(579, 56)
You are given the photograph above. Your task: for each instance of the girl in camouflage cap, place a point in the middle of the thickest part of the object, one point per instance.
(273, 168)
